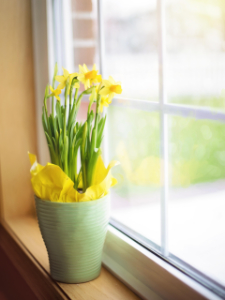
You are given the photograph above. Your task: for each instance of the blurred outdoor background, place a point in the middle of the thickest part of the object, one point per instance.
(195, 76)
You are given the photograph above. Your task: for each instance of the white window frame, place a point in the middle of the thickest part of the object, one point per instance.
(143, 271)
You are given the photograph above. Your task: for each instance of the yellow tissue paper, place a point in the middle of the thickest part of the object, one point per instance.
(51, 183)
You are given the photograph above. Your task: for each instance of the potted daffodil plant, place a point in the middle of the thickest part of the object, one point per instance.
(71, 192)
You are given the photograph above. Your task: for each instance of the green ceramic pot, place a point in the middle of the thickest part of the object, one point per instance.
(74, 235)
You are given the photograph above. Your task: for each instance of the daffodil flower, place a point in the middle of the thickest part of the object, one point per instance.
(88, 77)
(110, 88)
(105, 101)
(55, 92)
(63, 78)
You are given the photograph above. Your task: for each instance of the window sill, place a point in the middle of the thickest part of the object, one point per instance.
(21, 240)
(138, 268)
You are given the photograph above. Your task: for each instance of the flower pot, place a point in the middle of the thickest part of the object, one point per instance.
(74, 235)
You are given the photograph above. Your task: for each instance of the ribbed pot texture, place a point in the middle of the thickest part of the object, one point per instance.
(74, 235)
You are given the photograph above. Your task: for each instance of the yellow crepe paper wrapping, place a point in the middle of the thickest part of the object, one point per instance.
(51, 183)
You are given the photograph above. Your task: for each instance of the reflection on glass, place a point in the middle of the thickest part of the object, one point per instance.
(130, 32)
(134, 141)
(196, 52)
(197, 194)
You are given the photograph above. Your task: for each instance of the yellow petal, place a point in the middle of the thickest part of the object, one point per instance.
(99, 78)
(105, 91)
(85, 68)
(58, 91)
(61, 85)
(87, 84)
(111, 95)
(51, 88)
(65, 73)
(109, 100)
(91, 74)
(81, 77)
(57, 97)
(81, 70)
(116, 88)
(60, 78)
(111, 80)
(106, 83)
(73, 75)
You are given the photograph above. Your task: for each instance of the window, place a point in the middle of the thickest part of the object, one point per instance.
(167, 129)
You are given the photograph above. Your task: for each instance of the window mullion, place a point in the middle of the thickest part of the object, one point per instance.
(172, 109)
(101, 38)
(101, 51)
(58, 35)
(164, 128)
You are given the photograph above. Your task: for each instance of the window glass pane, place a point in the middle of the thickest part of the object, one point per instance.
(197, 194)
(196, 52)
(85, 36)
(130, 56)
(134, 141)
(130, 31)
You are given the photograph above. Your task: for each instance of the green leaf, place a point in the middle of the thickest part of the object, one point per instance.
(51, 148)
(44, 121)
(100, 132)
(72, 116)
(66, 155)
(92, 166)
(83, 157)
(59, 115)
(51, 123)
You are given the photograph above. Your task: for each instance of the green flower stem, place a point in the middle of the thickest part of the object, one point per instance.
(83, 157)
(65, 110)
(92, 166)
(75, 171)
(94, 155)
(90, 163)
(53, 85)
(79, 100)
(57, 147)
(75, 168)
(46, 110)
(71, 91)
(89, 108)
(75, 95)
(66, 155)
(97, 117)
(66, 140)
(71, 94)
(53, 107)
(75, 149)
(93, 142)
